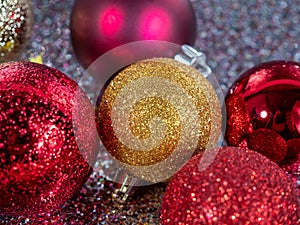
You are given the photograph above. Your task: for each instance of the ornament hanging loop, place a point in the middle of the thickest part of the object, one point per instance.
(194, 58)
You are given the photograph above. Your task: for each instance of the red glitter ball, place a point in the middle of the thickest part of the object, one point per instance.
(99, 26)
(268, 143)
(41, 165)
(238, 119)
(270, 97)
(240, 186)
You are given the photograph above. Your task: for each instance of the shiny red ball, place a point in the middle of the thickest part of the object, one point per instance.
(239, 186)
(266, 116)
(41, 164)
(98, 26)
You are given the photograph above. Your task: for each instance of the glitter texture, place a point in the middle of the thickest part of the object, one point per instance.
(239, 187)
(16, 19)
(158, 110)
(235, 35)
(41, 165)
(50, 39)
(238, 121)
(268, 143)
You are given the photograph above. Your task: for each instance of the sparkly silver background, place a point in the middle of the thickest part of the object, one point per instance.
(234, 34)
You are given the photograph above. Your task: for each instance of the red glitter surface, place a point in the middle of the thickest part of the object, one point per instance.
(41, 165)
(269, 143)
(239, 187)
(238, 122)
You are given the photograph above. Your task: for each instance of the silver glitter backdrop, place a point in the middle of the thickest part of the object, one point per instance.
(234, 34)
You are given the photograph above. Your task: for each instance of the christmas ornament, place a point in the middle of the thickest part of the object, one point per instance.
(16, 21)
(98, 26)
(154, 114)
(41, 165)
(262, 110)
(239, 187)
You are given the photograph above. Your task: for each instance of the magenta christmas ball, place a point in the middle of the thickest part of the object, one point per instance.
(98, 26)
(41, 164)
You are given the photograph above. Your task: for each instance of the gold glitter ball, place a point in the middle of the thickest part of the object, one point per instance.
(16, 19)
(155, 114)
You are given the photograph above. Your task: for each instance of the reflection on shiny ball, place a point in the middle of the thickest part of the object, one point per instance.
(263, 108)
(99, 26)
